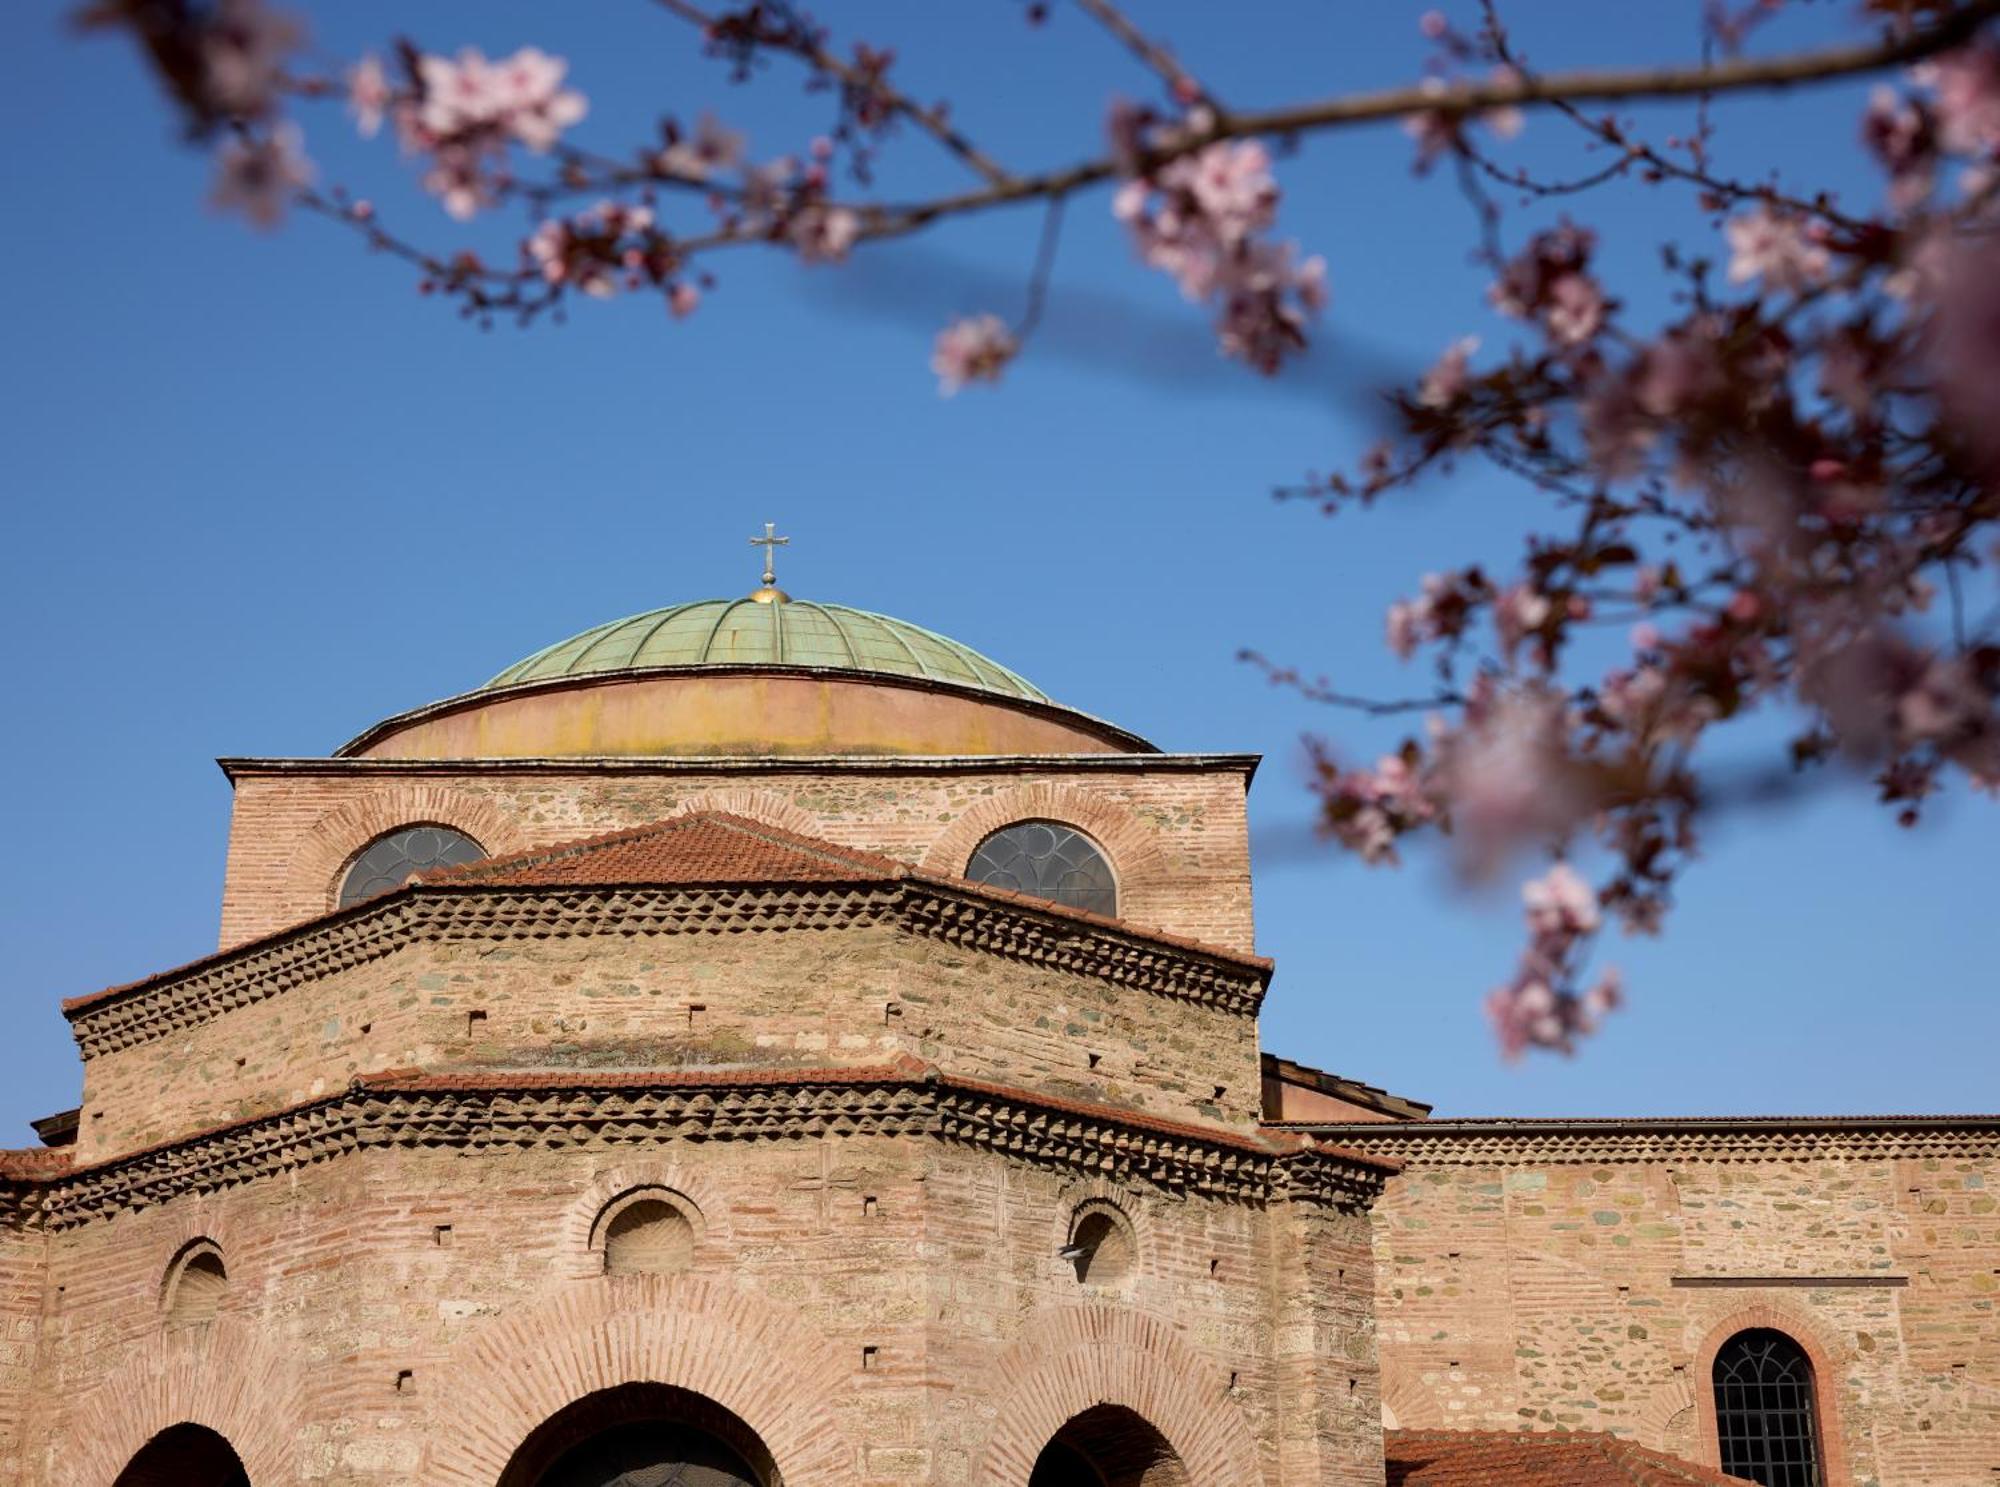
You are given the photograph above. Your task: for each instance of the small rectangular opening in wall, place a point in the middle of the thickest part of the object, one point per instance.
(868, 1359)
(889, 1010)
(1232, 1381)
(696, 1012)
(1221, 1090)
(406, 1381)
(473, 1019)
(1095, 1059)
(1214, 1264)
(868, 1205)
(366, 1028)
(441, 1236)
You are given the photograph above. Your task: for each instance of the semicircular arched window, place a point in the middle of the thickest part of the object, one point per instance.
(1766, 1422)
(393, 859)
(1045, 859)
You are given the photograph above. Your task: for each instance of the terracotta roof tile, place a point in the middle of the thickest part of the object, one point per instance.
(36, 1162)
(1496, 1458)
(703, 847)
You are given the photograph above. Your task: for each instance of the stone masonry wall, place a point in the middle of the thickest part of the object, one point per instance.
(880, 1310)
(840, 996)
(1176, 836)
(1542, 1294)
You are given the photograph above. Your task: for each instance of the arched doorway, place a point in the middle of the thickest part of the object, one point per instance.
(642, 1435)
(185, 1456)
(1108, 1446)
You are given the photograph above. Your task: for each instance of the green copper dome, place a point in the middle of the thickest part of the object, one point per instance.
(760, 632)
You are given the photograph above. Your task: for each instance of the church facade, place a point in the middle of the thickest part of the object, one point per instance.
(765, 1044)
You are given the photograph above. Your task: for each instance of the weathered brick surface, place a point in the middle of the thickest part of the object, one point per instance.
(1176, 836)
(774, 995)
(1541, 1292)
(356, 1347)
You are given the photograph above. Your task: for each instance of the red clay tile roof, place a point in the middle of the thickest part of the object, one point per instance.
(705, 847)
(700, 847)
(1497, 1458)
(36, 1162)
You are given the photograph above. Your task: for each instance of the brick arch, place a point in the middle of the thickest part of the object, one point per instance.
(580, 1221)
(220, 1375)
(1663, 1406)
(1137, 861)
(776, 1374)
(1071, 1360)
(1408, 1405)
(767, 806)
(1828, 1366)
(312, 878)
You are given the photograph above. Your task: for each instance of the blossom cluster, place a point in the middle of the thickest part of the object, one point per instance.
(1202, 219)
(1539, 1006)
(464, 112)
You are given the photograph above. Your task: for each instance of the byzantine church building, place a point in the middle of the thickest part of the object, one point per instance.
(762, 1043)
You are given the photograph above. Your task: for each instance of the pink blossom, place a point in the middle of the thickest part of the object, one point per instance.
(243, 52)
(1967, 83)
(1777, 247)
(823, 234)
(710, 150)
(368, 95)
(1548, 281)
(1445, 383)
(1560, 902)
(976, 348)
(682, 299)
(1517, 613)
(1198, 220)
(258, 174)
(1508, 775)
(1900, 134)
(1575, 309)
(519, 96)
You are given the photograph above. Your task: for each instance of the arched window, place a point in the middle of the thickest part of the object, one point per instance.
(390, 861)
(1766, 1422)
(195, 1285)
(1046, 859)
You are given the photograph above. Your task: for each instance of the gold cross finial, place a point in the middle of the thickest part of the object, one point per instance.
(770, 542)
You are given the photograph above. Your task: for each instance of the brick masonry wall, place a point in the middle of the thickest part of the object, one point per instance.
(839, 996)
(410, 1315)
(1177, 837)
(1541, 1294)
(22, 1271)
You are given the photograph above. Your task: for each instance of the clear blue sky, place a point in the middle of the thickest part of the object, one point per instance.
(259, 494)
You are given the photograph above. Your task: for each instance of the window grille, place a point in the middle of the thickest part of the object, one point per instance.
(1765, 1420)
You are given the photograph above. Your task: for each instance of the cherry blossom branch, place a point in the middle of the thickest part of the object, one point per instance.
(801, 45)
(1584, 86)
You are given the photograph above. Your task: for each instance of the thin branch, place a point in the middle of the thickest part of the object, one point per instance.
(1586, 86)
(1184, 88)
(1044, 270)
(931, 120)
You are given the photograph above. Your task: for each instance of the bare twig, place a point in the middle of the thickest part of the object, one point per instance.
(1155, 55)
(931, 120)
